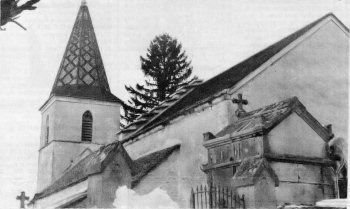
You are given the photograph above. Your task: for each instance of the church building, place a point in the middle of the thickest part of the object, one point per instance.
(259, 130)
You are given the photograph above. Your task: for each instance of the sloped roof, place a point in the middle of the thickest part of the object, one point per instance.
(81, 73)
(146, 117)
(149, 162)
(266, 118)
(78, 202)
(226, 79)
(250, 170)
(97, 161)
(94, 163)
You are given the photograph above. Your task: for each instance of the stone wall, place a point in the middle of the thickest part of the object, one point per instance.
(249, 195)
(223, 176)
(264, 192)
(187, 130)
(102, 186)
(165, 177)
(301, 183)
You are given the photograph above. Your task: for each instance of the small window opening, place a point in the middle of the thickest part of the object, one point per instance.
(86, 134)
(47, 135)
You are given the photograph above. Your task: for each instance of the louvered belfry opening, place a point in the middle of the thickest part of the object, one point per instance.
(86, 134)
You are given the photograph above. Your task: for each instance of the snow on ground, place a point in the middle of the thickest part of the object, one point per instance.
(343, 203)
(157, 199)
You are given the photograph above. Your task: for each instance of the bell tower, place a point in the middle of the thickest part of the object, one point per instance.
(81, 113)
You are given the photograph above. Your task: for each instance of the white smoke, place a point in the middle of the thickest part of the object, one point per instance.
(156, 199)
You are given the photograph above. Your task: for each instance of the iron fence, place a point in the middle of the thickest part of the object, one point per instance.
(215, 197)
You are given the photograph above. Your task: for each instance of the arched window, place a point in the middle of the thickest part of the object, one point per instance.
(47, 130)
(86, 131)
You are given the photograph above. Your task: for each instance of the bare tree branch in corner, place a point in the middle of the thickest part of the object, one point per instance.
(9, 11)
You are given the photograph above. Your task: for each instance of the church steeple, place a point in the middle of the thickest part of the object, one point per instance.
(81, 73)
(81, 112)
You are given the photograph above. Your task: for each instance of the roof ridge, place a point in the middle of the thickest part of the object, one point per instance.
(86, 166)
(294, 101)
(264, 119)
(172, 99)
(227, 78)
(331, 14)
(261, 119)
(305, 27)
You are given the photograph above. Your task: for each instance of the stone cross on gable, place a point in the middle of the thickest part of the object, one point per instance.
(240, 102)
(22, 198)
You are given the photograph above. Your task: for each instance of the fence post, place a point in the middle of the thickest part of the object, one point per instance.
(218, 197)
(210, 190)
(201, 191)
(192, 204)
(227, 200)
(205, 196)
(243, 201)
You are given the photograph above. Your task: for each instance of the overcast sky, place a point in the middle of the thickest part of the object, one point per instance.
(215, 34)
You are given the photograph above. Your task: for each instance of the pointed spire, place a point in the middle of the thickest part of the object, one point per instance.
(81, 73)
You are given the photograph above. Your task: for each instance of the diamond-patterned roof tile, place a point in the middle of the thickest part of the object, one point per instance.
(81, 73)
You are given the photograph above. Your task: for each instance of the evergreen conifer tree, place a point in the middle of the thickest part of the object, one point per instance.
(166, 68)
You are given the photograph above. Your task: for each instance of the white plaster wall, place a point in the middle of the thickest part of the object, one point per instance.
(55, 158)
(316, 71)
(188, 130)
(165, 177)
(44, 168)
(65, 153)
(294, 136)
(66, 114)
(68, 117)
(65, 124)
(47, 112)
